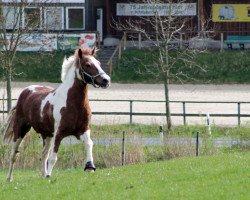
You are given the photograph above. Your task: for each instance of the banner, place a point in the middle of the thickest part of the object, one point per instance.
(31, 42)
(49, 42)
(143, 9)
(231, 12)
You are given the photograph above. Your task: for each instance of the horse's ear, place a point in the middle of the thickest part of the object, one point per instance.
(94, 50)
(79, 53)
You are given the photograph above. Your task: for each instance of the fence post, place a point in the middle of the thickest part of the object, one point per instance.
(3, 107)
(197, 144)
(120, 52)
(110, 67)
(161, 132)
(208, 124)
(181, 41)
(238, 113)
(184, 112)
(221, 41)
(123, 148)
(130, 111)
(139, 40)
(125, 41)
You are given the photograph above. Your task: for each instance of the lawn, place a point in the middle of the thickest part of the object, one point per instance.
(224, 176)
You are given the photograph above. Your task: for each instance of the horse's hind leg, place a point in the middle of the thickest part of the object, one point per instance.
(45, 155)
(13, 154)
(23, 130)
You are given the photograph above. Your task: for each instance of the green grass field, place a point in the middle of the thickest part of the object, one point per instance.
(224, 176)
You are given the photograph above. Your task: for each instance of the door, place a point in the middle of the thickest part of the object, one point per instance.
(99, 22)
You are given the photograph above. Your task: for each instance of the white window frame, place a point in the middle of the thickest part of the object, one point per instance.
(67, 18)
(24, 15)
(62, 17)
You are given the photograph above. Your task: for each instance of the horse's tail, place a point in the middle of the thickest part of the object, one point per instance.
(8, 133)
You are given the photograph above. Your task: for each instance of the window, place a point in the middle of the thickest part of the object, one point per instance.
(32, 18)
(54, 18)
(75, 18)
(11, 15)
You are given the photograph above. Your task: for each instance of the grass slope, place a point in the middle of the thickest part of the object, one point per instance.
(221, 67)
(215, 177)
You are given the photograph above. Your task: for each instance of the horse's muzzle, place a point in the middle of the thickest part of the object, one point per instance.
(105, 83)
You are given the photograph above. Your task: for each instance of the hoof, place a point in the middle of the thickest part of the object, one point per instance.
(89, 167)
(8, 180)
(90, 170)
(47, 176)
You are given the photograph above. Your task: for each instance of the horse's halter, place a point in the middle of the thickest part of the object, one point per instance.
(92, 77)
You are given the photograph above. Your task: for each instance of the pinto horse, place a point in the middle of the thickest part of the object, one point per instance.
(57, 113)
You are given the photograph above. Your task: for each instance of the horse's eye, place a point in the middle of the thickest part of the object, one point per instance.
(87, 65)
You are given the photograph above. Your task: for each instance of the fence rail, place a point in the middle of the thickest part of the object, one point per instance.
(184, 114)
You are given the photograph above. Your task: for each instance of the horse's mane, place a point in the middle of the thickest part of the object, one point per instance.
(68, 62)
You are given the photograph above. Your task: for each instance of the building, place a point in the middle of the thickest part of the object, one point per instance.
(204, 19)
(47, 24)
(82, 16)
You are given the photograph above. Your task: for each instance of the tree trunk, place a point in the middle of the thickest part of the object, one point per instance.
(9, 97)
(167, 104)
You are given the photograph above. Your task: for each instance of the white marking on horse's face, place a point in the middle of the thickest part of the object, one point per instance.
(100, 70)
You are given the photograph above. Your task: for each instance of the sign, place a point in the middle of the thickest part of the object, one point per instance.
(143, 9)
(51, 42)
(231, 12)
(72, 41)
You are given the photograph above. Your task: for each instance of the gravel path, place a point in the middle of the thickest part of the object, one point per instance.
(156, 92)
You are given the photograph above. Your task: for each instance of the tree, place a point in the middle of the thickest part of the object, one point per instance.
(166, 29)
(9, 41)
(17, 22)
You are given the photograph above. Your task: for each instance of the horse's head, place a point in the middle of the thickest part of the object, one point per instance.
(89, 68)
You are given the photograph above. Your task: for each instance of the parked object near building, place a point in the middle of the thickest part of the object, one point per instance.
(110, 41)
(203, 43)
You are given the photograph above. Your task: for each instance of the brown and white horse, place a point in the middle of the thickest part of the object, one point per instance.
(57, 113)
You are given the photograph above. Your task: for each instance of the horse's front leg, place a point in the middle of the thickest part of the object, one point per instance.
(90, 167)
(53, 153)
